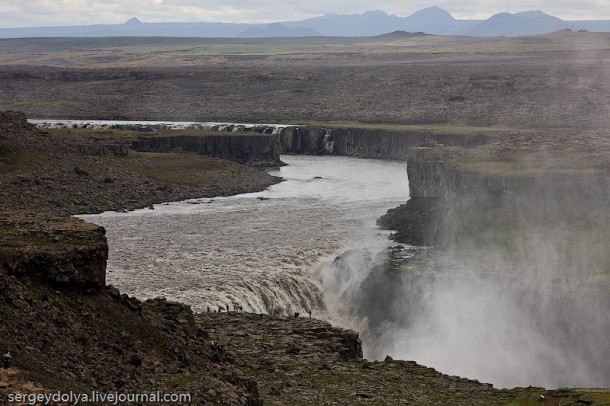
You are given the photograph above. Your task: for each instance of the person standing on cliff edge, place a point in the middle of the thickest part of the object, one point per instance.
(6, 360)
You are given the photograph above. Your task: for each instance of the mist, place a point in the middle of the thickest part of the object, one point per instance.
(514, 292)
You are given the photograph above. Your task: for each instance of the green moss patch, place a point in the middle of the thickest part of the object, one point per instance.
(182, 380)
(171, 167)
(11, 162)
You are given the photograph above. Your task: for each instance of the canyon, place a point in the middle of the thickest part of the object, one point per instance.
(506, 148)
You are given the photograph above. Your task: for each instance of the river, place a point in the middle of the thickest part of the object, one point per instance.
(264, 251)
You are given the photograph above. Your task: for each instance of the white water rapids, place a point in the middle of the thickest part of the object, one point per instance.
(258, 250)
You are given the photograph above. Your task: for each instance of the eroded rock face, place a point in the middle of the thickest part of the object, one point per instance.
(252, 149)
(367, 143)
(302, 140)
(521, 185)
(52, 248)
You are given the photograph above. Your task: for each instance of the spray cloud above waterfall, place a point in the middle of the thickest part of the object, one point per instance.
(515, 291)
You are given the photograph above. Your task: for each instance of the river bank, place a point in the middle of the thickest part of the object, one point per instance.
(43, 172)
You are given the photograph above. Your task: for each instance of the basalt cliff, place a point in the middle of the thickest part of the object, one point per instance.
(261, 145)
(533, 179)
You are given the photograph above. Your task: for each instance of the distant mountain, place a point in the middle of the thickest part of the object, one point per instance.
(431, 20)
(527, 23)
(278, 30)
(435, 20)
(133, 21)
(132, 28)
(368, 24)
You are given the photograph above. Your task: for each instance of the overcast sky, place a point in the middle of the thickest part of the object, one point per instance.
(31, 13)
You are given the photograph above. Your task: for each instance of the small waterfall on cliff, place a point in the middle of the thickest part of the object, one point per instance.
(329, 142)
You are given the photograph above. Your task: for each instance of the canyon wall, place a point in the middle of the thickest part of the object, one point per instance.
(458, 192)
(367, 143)
(50, 248)
(261, 145)
(250, 148)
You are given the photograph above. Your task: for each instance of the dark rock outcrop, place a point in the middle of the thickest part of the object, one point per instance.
(416, 222)
(368, 143)
(53, 248)
(458, 192)
(252, 149)
(303, 361)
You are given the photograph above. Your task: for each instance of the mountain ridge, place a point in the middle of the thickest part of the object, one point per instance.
(431, 20)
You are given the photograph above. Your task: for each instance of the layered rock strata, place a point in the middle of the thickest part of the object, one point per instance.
(53, 249)
(251, 149)
(562, 180)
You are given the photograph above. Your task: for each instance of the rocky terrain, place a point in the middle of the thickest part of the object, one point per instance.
(411, 94)
(73, 334)
(555, 80)
(65, 328)
(303, 361)
(68, 331)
